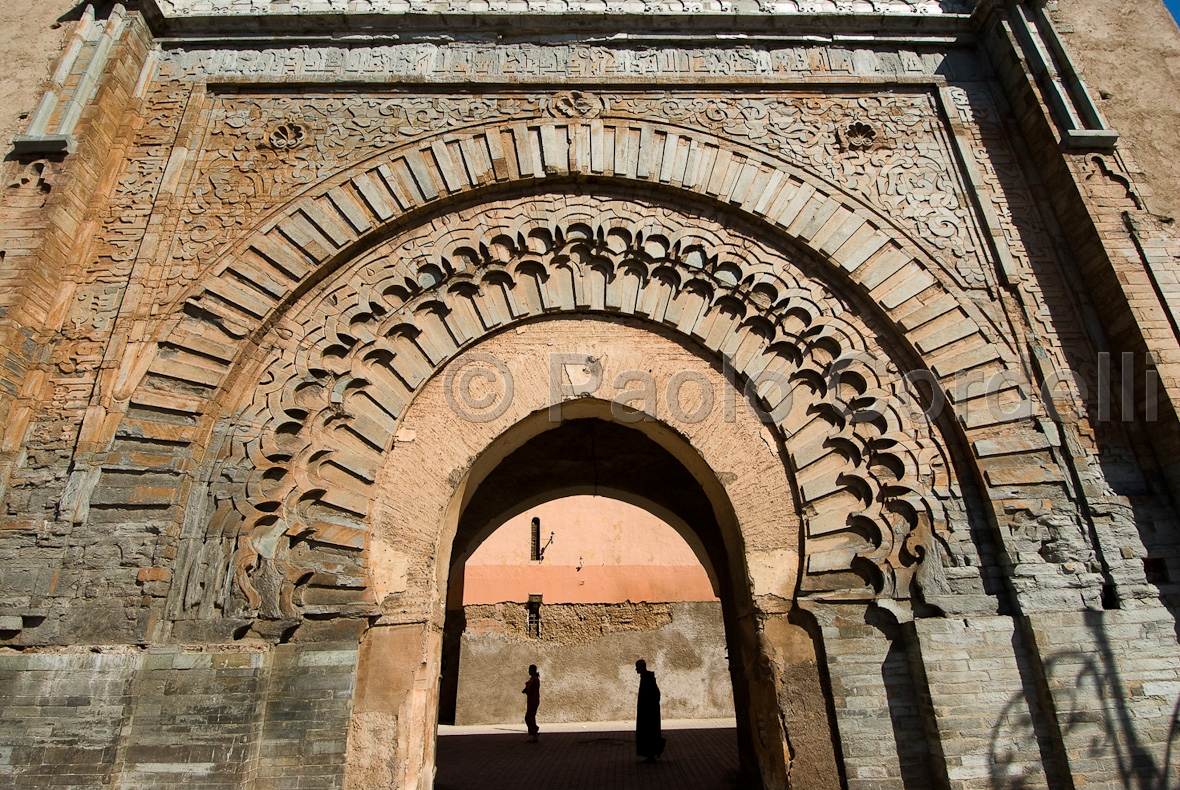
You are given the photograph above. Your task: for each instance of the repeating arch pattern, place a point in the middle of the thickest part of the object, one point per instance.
(335, 217)
(241, 293)
(300, 467)
(186, 374)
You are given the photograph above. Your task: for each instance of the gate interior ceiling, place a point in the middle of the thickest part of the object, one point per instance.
(319, 294)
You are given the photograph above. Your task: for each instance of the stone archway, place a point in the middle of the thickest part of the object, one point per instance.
(434, 495)
(307, 446)
(592, 458)
(242, 305)
(591, 450)
(299, 392)
(247, 297)
(263, 259)
(299, 501)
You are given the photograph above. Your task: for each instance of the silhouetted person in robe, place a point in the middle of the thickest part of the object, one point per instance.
(532, 696)
(649, 741)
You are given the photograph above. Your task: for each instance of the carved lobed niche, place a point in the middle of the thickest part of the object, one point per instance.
(339, 369)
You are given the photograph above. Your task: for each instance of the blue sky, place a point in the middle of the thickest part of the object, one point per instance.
(1174, 7)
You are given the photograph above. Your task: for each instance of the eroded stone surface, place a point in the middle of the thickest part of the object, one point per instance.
(233, 307)
(587, 667)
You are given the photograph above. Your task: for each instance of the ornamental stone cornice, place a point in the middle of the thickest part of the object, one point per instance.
(656, 21)
(195, 8)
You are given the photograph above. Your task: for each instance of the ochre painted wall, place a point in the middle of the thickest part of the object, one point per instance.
(603, 551)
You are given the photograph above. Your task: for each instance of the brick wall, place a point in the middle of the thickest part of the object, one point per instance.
(878, 707)
(61, 716)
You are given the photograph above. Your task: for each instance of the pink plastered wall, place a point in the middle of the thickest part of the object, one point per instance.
(603, 551)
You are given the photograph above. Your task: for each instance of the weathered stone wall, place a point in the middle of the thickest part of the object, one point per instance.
(264, 717)
(35, 36)
(1128, 53)
(1114, 662)
(586, 655)
(231, 306)
(63, 715)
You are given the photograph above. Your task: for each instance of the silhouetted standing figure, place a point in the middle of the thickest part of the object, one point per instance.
(649, 741)
(532, 696)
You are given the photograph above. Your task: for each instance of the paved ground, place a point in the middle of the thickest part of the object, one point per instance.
(585, 757)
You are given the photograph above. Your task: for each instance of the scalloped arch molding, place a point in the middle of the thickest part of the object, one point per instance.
(248, 294)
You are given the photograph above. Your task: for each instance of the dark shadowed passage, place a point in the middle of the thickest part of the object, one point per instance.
(695, 759)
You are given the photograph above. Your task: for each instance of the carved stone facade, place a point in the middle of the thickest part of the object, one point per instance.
(867, 304)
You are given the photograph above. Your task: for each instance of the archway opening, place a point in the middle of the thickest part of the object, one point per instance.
(628, 560)
(582, 587)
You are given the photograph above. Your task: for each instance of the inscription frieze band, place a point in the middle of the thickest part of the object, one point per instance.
(192, 8)
(460, 62)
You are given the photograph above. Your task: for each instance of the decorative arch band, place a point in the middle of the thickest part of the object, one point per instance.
(248, 295)
(321, 415)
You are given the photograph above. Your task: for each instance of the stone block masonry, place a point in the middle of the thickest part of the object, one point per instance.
(881, 725)
(977, 674)
(62, 717)
(270, 717)
(252, 255)
(1114, 682)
